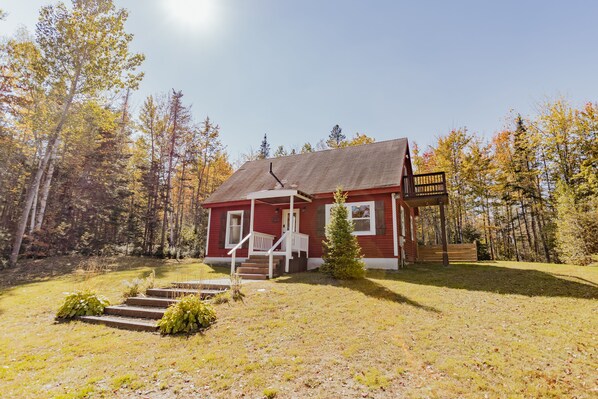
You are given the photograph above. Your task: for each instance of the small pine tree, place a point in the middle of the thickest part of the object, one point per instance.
(336, 139)
(342, 254)
(264, 148)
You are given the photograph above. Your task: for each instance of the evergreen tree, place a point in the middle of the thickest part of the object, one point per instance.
(336, 137)
(264, 148)
(342, 254)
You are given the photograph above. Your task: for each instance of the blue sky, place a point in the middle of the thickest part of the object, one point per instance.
(416, 69)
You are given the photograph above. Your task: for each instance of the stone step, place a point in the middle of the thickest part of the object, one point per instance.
(196, 285)
(126, 323)
(150, 301)
(141, 312)
(252, 276)
(179, 292)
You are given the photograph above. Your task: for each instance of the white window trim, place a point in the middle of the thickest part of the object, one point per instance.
(227, 244)
(402, 221)
(348, 205)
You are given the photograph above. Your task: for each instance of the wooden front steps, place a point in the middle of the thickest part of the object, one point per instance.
(257, 267)
(141, 313)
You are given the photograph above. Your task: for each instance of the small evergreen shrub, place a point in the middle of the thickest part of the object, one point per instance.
(342, 254)
(190, 314)
(82, 304)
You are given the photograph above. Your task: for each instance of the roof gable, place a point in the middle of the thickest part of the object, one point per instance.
(367, 166)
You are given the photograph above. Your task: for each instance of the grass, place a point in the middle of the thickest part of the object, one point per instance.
(471, 330)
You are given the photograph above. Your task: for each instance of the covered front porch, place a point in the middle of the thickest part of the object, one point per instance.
(267, 248)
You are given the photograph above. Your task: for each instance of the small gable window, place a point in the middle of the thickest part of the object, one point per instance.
(362, 214)
(234, 228)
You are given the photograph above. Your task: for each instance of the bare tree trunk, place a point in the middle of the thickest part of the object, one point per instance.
(46, 188)
(22, 225)
(29, 198)
(33, 211)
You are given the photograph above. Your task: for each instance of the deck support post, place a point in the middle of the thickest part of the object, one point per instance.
(251, 217)
(445, 259)
(290, 235)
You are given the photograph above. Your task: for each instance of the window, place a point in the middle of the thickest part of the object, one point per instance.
(234, 228)
(412, 229)
(362, 214)
(402, 221)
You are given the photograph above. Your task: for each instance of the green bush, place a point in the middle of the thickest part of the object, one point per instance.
(82, 304)
(188, 315)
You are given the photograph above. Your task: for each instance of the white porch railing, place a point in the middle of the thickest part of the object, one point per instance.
(262, 241)
(271, 252)
(300, 243)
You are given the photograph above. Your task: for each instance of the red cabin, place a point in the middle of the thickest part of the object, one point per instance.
(271, 214)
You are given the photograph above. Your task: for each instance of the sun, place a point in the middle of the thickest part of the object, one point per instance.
(191, 15)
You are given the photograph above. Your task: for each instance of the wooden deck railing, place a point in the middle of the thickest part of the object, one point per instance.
(424, 185)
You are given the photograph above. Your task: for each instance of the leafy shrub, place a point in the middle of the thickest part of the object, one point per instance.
(188, 315)
(84, 303)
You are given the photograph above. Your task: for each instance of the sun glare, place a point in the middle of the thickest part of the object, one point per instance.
(191, 15)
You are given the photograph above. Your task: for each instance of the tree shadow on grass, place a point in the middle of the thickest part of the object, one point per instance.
(33, 271)
(365, 286)
(492, 278)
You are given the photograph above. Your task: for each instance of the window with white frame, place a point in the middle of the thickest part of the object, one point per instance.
(412, 229)
(234, 228)
(402, 221)
(362, 214)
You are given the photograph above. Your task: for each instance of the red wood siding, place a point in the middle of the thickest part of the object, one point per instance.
(268, 220)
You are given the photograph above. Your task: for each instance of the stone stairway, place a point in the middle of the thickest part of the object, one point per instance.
(141, 313)
(256, 267)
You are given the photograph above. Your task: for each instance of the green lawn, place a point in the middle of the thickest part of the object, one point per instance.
(472, 330)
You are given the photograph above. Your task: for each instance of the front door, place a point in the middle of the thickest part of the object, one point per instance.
(286, 223)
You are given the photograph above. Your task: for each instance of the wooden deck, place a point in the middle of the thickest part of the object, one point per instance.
(425, 189)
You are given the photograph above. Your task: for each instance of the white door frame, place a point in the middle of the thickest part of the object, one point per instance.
(285, 217)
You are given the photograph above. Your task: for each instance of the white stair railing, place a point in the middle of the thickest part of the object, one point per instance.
(233, 252)
(270, 254)
(300, 243)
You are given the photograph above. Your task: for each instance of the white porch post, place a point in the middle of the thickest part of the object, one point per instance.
(208, 232)
(395, 243)
(251, 227)
(290, 235)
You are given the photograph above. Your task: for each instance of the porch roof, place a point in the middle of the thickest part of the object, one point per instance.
(280, 196)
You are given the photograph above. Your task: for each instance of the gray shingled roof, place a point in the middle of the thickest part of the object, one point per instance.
(366, 166)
